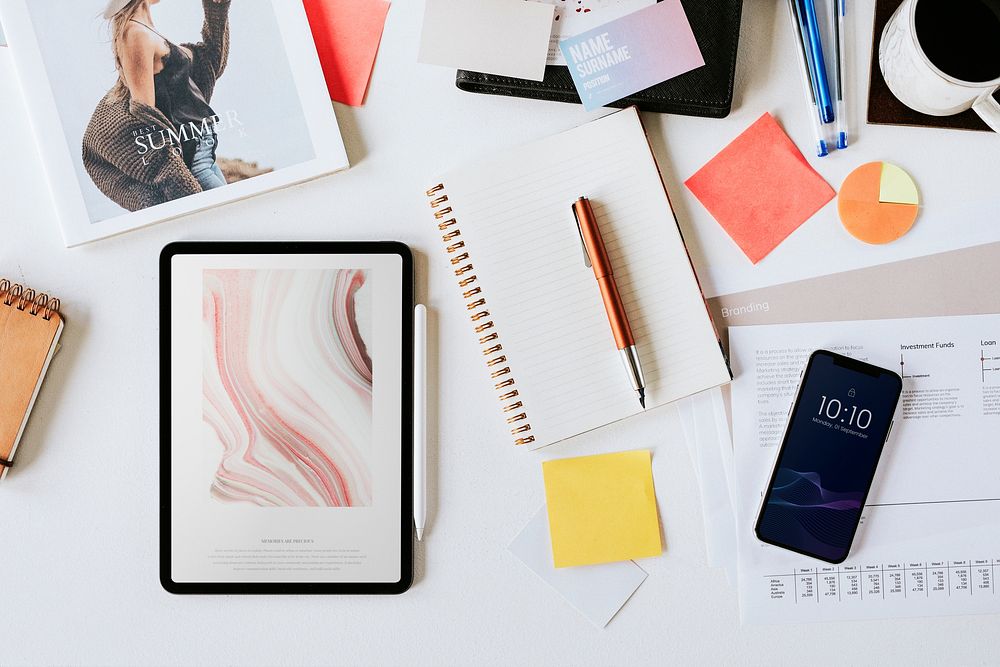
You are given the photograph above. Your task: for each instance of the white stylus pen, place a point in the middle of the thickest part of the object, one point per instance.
(420, 419)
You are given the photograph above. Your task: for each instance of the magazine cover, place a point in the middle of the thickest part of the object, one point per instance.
(146, 110)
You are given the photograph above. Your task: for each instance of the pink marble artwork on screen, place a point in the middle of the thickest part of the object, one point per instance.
(288, 386)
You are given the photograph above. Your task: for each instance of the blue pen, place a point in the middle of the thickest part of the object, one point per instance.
(842, 130)
(805, 68)
(814, 44)
(807, 56)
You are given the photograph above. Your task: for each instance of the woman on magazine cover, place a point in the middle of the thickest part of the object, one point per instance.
(152, 138)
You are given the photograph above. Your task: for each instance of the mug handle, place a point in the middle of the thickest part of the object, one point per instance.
(988, 109)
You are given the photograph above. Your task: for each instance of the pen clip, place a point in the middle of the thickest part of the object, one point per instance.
(583, 245)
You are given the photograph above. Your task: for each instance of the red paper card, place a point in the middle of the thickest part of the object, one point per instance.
(347, 34)
(760, 188)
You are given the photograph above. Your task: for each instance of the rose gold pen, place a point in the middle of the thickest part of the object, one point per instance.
(597, 258)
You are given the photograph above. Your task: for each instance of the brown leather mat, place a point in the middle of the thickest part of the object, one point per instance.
(885, 109)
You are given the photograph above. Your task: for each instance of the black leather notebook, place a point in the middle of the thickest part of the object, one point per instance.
(706, 91)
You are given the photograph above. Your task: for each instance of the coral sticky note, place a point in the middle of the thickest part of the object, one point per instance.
(602, 508)
(347, 35)
(760, 188)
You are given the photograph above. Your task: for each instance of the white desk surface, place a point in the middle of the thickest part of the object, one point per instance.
(78, 567)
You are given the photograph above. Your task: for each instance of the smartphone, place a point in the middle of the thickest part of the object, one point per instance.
(838, 424)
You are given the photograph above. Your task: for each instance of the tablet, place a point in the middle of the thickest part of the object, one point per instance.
(286, 395)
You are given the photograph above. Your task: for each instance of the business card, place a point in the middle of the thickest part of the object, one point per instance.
(631, 53)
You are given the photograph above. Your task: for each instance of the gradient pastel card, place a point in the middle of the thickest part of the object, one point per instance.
(631, 53)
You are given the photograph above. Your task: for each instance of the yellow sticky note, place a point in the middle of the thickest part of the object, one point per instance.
(897, 187)
(602, 508)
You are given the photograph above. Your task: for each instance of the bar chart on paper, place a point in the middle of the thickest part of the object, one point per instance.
(929, 543)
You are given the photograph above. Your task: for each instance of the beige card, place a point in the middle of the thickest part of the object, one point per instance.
(960, 282)
(504, 37)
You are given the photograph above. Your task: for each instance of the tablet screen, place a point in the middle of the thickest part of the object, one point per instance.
(286, 418)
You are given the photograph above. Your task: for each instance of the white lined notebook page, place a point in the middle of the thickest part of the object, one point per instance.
(515, 217)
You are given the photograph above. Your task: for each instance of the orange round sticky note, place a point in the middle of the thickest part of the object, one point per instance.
(863, 209)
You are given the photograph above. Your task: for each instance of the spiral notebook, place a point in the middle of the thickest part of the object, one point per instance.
(30, 326)
(535, 309)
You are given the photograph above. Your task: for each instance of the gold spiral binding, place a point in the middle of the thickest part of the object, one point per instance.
(41, 302)
(460, 258)
(28, 300)
(10, 293)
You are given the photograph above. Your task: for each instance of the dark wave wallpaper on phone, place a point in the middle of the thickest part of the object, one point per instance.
(831, 452)
(813, 518)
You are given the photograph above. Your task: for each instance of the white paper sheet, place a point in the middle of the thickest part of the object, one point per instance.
(686, 416)
(597, 591)
(505, 37)
(719, 521)
(573, 18)
(930, 537)
(725, 442)
(717, 507)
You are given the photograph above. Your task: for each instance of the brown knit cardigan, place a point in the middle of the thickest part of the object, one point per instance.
(110, 154)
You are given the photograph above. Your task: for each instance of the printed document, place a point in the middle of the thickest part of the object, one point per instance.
(929, 543)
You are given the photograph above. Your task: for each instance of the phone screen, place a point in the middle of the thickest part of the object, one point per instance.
(826, 464)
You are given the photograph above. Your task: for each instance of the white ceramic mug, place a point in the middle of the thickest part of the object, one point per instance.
(922, 86)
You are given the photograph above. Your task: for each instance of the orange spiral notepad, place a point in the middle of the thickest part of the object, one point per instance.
(30, 326)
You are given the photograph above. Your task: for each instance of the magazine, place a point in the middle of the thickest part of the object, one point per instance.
(144, 111)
